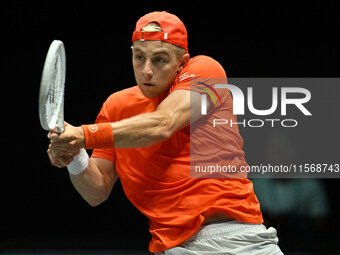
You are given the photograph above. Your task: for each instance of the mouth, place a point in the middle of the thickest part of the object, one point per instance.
(146, 84)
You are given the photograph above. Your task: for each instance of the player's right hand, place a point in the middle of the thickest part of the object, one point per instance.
(68, 142)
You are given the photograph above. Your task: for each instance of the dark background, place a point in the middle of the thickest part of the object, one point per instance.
(40, 210)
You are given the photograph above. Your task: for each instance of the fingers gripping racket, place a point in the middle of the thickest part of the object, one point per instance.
(52, 85)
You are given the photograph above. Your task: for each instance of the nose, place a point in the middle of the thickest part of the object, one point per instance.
(147, 69)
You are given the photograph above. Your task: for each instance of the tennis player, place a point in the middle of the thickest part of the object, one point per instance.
(143, 135)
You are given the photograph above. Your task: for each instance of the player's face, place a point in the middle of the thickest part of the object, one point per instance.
(155, 66)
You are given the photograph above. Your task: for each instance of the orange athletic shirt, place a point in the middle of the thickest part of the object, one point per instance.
(157, 180)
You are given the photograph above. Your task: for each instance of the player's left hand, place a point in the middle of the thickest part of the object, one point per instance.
(57, 159)
(69, 142)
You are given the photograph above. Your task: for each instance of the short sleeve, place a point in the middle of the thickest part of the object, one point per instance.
(201, 68)
(200, 75)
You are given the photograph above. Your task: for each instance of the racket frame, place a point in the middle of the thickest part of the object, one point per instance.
(55, 51)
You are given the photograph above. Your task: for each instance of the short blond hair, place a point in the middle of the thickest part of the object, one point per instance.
(154, 27)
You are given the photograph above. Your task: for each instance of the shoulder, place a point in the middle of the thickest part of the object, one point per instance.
(202, 67)
(125, 97)
(123, 94)
(126, 103)
(202, 59)
(114, 104)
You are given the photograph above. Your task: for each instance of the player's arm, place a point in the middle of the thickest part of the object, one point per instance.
(176, 111)
(95, 183)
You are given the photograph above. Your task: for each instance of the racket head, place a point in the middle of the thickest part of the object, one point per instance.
(52, 86)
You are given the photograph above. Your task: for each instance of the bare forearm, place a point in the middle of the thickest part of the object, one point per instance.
(148, 129)
(141, 131)
(92, 185)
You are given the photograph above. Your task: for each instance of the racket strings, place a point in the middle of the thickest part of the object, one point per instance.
(54, 94)
(51, 93)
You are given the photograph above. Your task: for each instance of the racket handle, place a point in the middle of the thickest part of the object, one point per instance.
(59, 130)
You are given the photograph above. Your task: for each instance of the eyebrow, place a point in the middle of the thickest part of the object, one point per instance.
(156, 52)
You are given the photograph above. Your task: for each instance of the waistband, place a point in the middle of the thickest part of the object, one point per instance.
(223, 228)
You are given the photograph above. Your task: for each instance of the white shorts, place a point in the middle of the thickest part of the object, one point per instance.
(229, 238)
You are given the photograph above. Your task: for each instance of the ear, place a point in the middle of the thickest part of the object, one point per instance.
(183, 61)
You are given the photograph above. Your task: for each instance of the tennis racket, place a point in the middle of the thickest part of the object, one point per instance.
(52, 85)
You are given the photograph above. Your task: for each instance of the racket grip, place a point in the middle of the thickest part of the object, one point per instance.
(59, 130)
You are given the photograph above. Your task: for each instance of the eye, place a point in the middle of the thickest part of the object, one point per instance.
(159, 60)
(139, 57)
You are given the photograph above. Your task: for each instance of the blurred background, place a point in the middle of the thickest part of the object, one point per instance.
(41, 211)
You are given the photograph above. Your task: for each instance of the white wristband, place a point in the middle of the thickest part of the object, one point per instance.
(79, 163)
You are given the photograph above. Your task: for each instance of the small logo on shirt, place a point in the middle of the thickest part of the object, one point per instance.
(184, 76)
